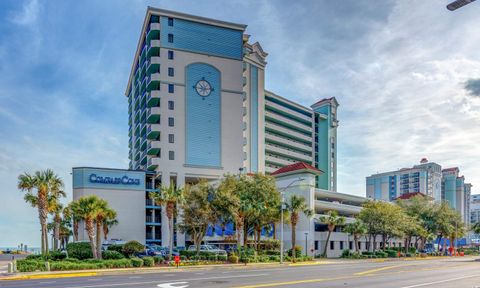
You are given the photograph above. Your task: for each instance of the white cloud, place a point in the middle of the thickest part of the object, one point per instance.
(28, 15)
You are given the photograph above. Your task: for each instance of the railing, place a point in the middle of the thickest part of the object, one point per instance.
(149, 202)
(149, 236)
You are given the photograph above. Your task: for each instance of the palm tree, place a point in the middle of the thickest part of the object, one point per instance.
(476, 228)
(104, 213)
(87, 208)
(332, 220)
(356, 229)
(107, 224)
(70, 214)
(55, 208)
(296, 205)
(46, 183)
(168, 197)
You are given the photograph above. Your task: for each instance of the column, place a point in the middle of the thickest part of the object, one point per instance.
(180, 235)
(165, 230)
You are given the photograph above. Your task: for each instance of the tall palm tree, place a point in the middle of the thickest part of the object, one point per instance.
(356, 229)
(55, 208)
(103, 214)
(332, 220)
(107, 224)
(294, 206)
(87, 208)
(39, 187)
(169, 197)
(476, 228)
(70, 214)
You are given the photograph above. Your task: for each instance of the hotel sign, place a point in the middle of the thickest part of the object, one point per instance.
(125, 180)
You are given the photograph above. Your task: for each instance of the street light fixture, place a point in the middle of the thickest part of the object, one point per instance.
(458, 4)
(281, 216)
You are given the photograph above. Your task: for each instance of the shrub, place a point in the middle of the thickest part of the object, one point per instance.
(264, 258)
(392, 253)
(112, 254)
(242, 251)
(346, 253)
(56, 255)
(132, 247)
(35, 257)
(245, 260)
(187, 253)
(271, 252)
(79, 250)
(270, 244)
(115, 247)
(274, 258)
(233, 259)
(69, 259)
(222, 257)
(381, 254)
(30, 265)
(158, 259)
(148, 261)
(408, 255)
(298, 251)
(367, 253)
(136, 262)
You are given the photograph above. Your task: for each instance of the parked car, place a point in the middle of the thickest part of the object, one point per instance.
(163, 250)
(208, 248)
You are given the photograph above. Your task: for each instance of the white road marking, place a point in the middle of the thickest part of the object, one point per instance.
(47, 282)
(200, 273)
(95, 279)
(157, 282)
(441, 281)
(135, 277)
(170, 285)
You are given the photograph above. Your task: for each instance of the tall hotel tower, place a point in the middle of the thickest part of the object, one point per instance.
(198, 108)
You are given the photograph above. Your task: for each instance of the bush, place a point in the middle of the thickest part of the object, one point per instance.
(136, 262)
(392, 253)
(367, 253)
(115, 247)
(381, 254)
(187, 253)
(26, 265)
(346, 253)
(298, 251)
(57, 255)
(246, 252)
(148, 261)
(270, 244)
(222, 257)
(35, 257)
(271, 252)
(79, 250)
(264, 258)
(112, 254)
(233, 259)
(274, 258)
(408, 255)
(158, 259)
(132, 247)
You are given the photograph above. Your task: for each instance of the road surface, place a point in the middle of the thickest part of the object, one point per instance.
(439, 273)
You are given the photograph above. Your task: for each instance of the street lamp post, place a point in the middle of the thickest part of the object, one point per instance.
(458, 4)
(306, 241)
(283, 206)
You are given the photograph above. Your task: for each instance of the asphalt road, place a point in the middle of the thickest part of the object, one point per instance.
(459, 273)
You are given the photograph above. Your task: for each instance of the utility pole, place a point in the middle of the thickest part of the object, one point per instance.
(458, 4)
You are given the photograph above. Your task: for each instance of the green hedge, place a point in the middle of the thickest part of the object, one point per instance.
(136, 262)
(148, 261)
(233, 259)
(70, 264)
(79, 250)
(158, 259)
(111, 254)
(132, 247)
(115, 247)
(29, 265)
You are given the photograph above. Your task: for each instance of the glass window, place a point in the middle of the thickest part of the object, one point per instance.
(171, 122)
(170, 21)
(170, 54)
(350, 245)
(332, 245)
(341, 245)
(171, 155)
(171, 88)
(170, 71)
(170, 38)
(316, 244)
(171, 105)
(171, 138)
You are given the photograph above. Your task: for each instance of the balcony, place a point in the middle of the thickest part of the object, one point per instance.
(295, 156)
(153, 98)
(153, 131)
(289, 123)
(288, 142)
(153, 65)
(153, 81)
(153, 115)
(153, 48)
(150, 220)
(153, 148)
(153, 32)
(152, 163)
(278, 161)
(281, 109)
(278, 129)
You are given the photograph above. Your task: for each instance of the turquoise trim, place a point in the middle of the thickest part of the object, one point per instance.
(253, 118)
(287, 105)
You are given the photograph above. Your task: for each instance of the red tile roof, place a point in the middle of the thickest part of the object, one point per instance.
(410, 195)
(450, 169)
(295, 167)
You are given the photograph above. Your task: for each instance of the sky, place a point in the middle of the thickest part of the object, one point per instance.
(406, 74)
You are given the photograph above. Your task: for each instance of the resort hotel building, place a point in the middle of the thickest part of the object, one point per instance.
(198, 109)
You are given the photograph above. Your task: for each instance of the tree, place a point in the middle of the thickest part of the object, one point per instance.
(39, 187)
(476, 228)
(332, 220)
(226, 203)
(55, 208)
(87, 208)
(197, 211)
(71, 215)
(168, 197)
(295, 206)
(356, 229)
(104, 213)
(107, 224)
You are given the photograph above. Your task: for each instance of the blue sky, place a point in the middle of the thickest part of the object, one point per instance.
(406, 74)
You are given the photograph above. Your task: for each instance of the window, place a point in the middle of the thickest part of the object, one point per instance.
(316, 244)
(332, 245)
(171, 88)
(171, 155)
(170, 54)
(170, 21)
(170, 71)
(171, 138)
(171, 105)
(333, 145)
(341, 245)
(170, 38)
(171, 122)
(350, 245)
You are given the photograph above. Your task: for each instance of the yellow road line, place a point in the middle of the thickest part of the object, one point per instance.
(291, 282)
(50, 276)
(377, 270)
(309, 263)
